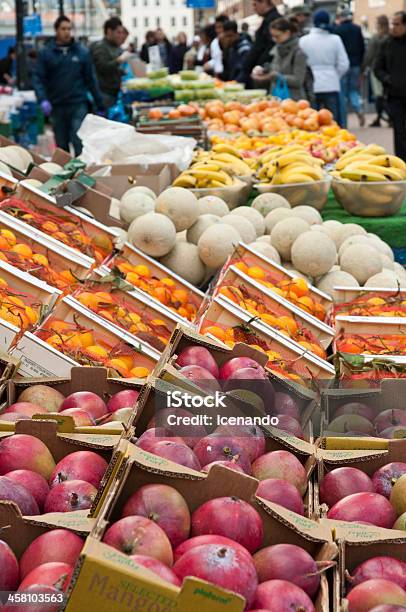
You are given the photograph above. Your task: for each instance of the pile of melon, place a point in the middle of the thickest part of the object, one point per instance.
(192, 237)
(329, 253)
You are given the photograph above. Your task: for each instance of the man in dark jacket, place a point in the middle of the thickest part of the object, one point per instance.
(390, 70)
(259, 53)
(64, 74)
(108, 59)
(351, 35)
(236, 47)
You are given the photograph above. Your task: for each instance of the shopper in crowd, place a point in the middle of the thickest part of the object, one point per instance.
(287, 58)
(300, 15)
(109, 59)
(63, 76)
(245, 31)
(31, 65)
(215, 64)
(150, 41)
(382, 32)
(353, 39)
(8, 67)
(207, 35)
(177, 53)
(328, 61)
(236, 48)
(263, 43)
(390, 70)
(190, 57)
(164, 46)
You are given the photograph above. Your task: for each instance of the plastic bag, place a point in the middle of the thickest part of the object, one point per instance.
(281, 89)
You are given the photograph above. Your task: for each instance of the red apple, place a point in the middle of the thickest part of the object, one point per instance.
(287, 405)
(282, 465)
(163, 505)
(222, 448)
(198, 356)
(123, 399)
(282, 596)
(87, 401)
(33, 482)
(55, 574)
(138, 535)
(232, 518)
(370, 507)
(25, 408)
(239, 363)
(158, 568)
(390, 418)
(23, 452)
(201, 377)
(70, 495)
(9, 575)
(55, 545)
(80, 417)
(250, 437)
(356, 408)
(157, 434)
(81, 465)
(374, 592)
(281, 492)
(385, 477)
(190, 433)
(290, 425)
(205, 539)
(11, 491)
(252, 379)
(48, 398)
(341, 482)
(178, 453)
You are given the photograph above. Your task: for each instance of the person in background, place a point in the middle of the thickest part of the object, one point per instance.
(300, 15)
(328, 61)
(390, 70)
(382, 32)
(164, 46)
(150, 41)
(215, 64)
(64, 74)
(245, 31)
(8, 67)
(31, 67)
(190, 57)
(287, 58)
(177, 53)
(236, 47)
(109, 59)
(207, 35)
(263, 42)
(353, 39)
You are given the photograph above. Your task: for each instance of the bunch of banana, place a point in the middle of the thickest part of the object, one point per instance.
(228, 158)
(369, 164)
(289, 164)
(203, 175)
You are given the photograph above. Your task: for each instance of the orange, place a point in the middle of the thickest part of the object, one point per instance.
(376, 301)
(139, 372)
(9, 236)
(58, 326)
(134, 317)
(142, 270)
(86, 338)
(16, 300)
(132, 278)
(40, 259)
(168, 282)
(68, 277)
(256, 272)
(155, 114)
(97, 351)
(318, 350)
(106, 315)
(306, 303)
(242, 266)
(299, 287)
(127, 360)
(3, 257)
(215, 331)
(232, 293)
(4, 244)
(3, 282)
(104, 297)
(88, 299)
(120, 365)
(22, 249)
(319, 311)
(270, 319)
(126, 267)
(289, 324)
(49, 227)
(183, 312)
(180, 295)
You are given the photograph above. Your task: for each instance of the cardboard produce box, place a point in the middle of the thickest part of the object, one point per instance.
(103, 569)
(121, 177)
(8, 366)
(81, 379)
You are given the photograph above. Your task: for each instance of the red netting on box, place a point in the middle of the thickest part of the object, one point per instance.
(371, 344)
(163, 288)
(139, 321)
(293, 369)
(32, 257)
(88, 346)
(374, 304)
(19, 308)
(354, 372)
(62, 226)
(276, 316)
(295, 290)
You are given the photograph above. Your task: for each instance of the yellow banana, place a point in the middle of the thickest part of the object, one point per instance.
(374, 149)
(184, 180)
(226, 148)
(297, 178)
(207, 167)
(270, 171)
(397, 162)
(315, 173)
(290, 158)
(362, 175)
(211, 175)
(344, 162)
(391, 174)
(352, 151)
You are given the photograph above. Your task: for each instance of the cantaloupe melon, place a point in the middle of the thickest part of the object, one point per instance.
(181, 237)
(276, 215)
(212, 205)
(351, 240)
(266, 202)
(285, 233)
(332, 229)
(184, 260)
(4, 169)
(243, 227)
(362, 261)
(217, 243)
(381, 246)
(11, 158)
(51, 167)
(153, 233)
(399, 271)
(142, 189)
(385, 279)
(387, 263)
(134, 204)
(313, 253)
(347, 230)
(336, 278)
(308, 214)
(265, 238)
(266, 249)
(204, 221)
(179, 205)
(253, 216)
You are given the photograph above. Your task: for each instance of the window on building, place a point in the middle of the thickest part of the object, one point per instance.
(134, 3)
(134, 22)
(158, 22)
(146, 22)
(173, 21)
(184, 21)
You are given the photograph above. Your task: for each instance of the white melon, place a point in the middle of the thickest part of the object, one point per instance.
(266, 202)
(212, 205)
(153, 234)
(180, 206)
(184, 260)
(243, 227)
(284, 234)
(217, 243)
(253, 216)
(361, 261)
(203, 222)
(313, 253)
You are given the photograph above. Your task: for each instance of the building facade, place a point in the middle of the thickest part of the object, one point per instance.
(172, 16)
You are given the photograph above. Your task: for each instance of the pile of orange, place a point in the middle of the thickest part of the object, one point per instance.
(164, 289)
(120, 312)
(370, 344)
(183, 110)
(265, 116)
(88, 347)
(18, 308)
(374, 306)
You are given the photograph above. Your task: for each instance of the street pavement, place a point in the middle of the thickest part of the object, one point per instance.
(368, 135)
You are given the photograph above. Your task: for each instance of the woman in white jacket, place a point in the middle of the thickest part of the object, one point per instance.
(328, 60)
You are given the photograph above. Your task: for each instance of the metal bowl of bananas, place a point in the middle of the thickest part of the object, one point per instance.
(368, 182)
(294, 173)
